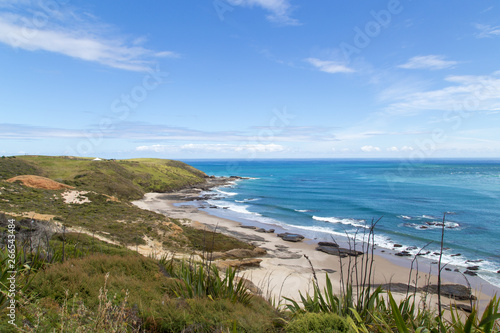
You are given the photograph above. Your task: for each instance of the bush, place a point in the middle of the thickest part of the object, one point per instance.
(318, 322)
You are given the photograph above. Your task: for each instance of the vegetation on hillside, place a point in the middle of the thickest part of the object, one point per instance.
(124, 179)
(74, 282)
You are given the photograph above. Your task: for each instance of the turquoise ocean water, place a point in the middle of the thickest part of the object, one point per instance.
(328, 198)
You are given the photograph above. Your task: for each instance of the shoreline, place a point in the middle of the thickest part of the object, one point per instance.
(284, 271)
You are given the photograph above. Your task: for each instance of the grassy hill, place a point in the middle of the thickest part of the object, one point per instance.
(124, 179)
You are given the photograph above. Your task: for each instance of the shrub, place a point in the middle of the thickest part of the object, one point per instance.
(318, 322)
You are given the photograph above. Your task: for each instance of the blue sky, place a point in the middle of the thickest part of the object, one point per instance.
(250, 78)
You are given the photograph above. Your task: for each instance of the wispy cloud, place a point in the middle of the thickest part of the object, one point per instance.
(28, 132)
(280, 9)
(74, 36)
(219, 148)
(470, 92)
(428, 62)
(149, 132)
(486, 31)
(327, 66)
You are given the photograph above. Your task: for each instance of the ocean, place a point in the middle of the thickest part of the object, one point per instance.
(325, 199)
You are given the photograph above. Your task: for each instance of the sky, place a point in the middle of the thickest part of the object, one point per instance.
(249, 79)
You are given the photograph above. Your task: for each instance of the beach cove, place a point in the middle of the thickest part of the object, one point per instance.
(285, 269)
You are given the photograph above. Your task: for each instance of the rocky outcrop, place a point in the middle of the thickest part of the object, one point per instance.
(328, 244)
(249, 285)
(291, 237)
(457, 292)
(239, 264)
(338, 251)
(236, 254)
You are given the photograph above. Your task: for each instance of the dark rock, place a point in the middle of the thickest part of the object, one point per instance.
(409, 248)
(291, 237)
(431, 223)
(447, 269)
(456, 255)
(403, 254)
(397, 245)
(338, 251)
(260, 230)
(248, 227)
(473, 268)
(270, 231)
(382, 251)
(396, 287)
(249, 285)
(332, 244)
(475, 261)
(434, 263)
(424, 227)
(498, 271)
(456, 270)
(463, 307)
(437, 253)
(471, 273)
(455, 291)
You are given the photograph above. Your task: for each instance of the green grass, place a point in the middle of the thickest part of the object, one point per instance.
(209, 241)
(124, 179)
(119, 221)
(12, 166)
(117, 290)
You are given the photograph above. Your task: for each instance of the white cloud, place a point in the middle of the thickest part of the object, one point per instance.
(85, 43)
(428, 62)
(396, 149)
(468, 93)
(219, 148)
(486, 31)
(370, 148)
(280, 9)
(327, 66)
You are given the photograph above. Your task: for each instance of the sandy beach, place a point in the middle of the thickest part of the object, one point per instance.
(285, 271)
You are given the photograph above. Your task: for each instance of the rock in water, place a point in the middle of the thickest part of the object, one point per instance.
(473, 268)
(403, 254)
(471, 273)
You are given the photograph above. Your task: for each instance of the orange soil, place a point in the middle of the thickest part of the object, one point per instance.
(39, 182)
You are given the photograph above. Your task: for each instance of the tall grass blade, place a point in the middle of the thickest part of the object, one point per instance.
(396, 314)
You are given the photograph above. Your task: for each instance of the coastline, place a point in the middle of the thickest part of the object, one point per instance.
(284, 270)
